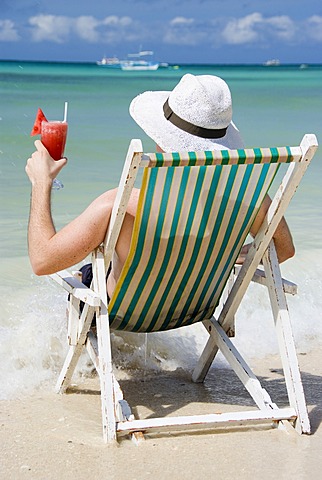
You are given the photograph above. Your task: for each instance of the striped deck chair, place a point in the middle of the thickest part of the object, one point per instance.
(195, 211)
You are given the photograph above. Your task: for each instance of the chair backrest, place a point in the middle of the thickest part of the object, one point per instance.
(195, 211)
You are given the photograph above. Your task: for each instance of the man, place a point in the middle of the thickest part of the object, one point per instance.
(196, 115)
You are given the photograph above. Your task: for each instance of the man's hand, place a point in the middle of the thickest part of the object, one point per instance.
(41, 168)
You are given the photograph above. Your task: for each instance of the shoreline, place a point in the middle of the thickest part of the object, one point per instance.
(50, 436)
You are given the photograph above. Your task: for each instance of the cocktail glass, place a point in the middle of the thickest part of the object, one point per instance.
(53, 137)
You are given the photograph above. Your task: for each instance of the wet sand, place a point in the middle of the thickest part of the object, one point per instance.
(48, 436)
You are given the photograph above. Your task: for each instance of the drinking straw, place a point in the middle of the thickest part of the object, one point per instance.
(65, 112)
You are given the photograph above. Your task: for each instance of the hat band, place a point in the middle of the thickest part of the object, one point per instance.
(190, 127)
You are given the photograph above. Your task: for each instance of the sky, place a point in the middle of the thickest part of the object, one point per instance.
(178, 31)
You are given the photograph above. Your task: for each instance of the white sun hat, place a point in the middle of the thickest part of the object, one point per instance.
(195, 115)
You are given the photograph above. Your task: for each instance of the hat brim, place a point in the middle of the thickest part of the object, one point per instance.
(147, 111)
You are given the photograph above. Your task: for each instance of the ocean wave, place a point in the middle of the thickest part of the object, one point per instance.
(33, 330)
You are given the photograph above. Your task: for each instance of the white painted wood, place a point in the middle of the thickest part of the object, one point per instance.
(104, 349)
(128, 177)
(167, 160)
(73, 314)
(203, 422)
(101, 358)
(211, 348)
(224, 296)
(241, 368)
(123, 412)
(76, 288)
(260, 278)
(206, 358)
(260, 244)
(285, 339)
(101, 263)
(66, 372)
(74, 352)
(122, 408)
(92, 349)
(114, 406)
(274, 215)
(145, 160)
(73, 320)
(77, 274)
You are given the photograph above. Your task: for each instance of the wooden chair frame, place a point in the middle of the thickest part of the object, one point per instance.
(116, 414)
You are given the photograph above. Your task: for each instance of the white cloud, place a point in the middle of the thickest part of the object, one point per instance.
(181, 21)
(314, 25)
(257, 28)
(85, 28)
(242, 30)
(8, 32)
(282, 26)
(115, 21)
(59, 28)
(115, 29)
(251, 29)
(184, 31)
(52, 28)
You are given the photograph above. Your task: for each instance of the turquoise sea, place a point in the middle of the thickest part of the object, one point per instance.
(272, 106)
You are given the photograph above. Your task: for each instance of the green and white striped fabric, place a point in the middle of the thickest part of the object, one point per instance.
(195, 211)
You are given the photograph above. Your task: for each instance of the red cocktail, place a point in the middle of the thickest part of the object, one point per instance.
(53, 136)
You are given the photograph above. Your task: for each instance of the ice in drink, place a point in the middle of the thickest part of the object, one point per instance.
(53, 136)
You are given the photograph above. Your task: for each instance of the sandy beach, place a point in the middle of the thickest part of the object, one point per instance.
(50, 436)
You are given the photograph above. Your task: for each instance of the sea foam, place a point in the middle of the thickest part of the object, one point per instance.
(33, 331)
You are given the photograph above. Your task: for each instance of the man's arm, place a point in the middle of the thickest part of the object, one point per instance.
(41, 170)
(282, 236)
(50, 251)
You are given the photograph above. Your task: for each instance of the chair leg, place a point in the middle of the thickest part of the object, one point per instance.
(242, 370)
(207, 357)
(75, 351)
(106, 377)
(211, 349)
(285, 340)
(67, 371)
(123, 411)
(108, 401)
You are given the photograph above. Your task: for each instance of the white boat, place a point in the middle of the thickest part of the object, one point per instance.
(112, 62)
(136, 62)
(139, 66)
(274, 62)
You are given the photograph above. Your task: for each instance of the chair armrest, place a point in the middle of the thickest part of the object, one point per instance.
(76, 288)
(260, 277)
